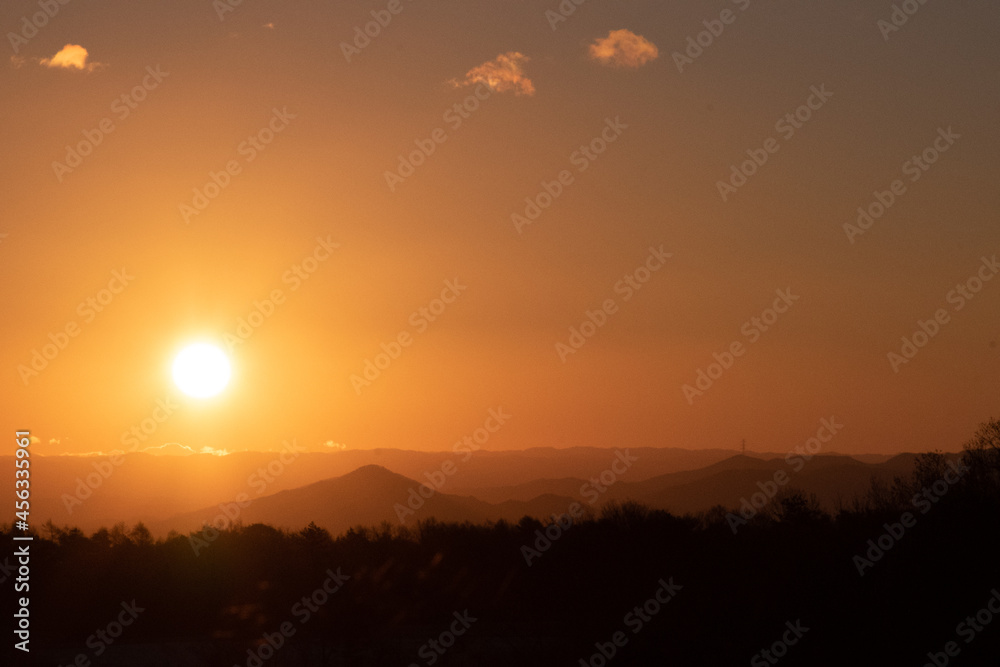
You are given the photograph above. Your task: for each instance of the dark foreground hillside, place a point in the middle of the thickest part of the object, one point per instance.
(908, 575)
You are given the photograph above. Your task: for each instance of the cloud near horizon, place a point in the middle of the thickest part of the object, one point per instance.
(168, 449)
(623, 48)
(503, 73)
(177, 449)
(71, 56)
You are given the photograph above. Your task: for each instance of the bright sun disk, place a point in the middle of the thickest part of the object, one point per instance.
(201, 370)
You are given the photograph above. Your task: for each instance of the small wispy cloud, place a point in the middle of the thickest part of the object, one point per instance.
(623, 48)
(71, 56)
(113, 452)
(168, 449)
(502, 74)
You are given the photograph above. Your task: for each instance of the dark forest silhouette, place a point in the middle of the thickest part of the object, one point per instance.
(790, 563)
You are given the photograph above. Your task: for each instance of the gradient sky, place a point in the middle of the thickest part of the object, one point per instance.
(323, 176)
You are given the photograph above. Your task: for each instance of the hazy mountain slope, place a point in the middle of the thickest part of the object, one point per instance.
(367, 496)
(832, 478)
(93, 491)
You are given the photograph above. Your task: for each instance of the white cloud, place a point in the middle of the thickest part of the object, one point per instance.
(71, 56)
(503, 73)
(623, 48)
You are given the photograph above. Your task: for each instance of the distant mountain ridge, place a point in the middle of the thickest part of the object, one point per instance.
(368, 496)
(373, 495)
(175, 492)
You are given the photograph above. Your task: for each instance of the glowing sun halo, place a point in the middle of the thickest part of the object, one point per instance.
(201, 370)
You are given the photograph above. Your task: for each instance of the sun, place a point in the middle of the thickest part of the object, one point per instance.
(201, 370)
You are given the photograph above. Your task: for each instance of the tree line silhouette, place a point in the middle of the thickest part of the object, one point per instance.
(790, 562)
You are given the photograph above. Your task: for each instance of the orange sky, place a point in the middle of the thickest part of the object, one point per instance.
(595, 112)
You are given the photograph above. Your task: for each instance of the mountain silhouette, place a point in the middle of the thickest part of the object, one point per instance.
(368, 496)
(182, 492)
